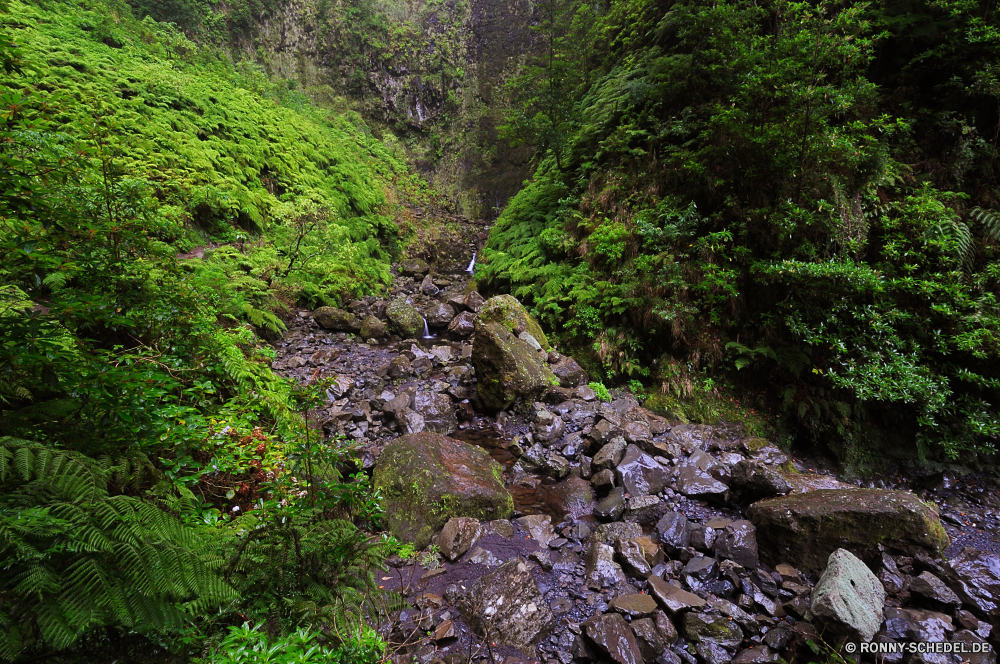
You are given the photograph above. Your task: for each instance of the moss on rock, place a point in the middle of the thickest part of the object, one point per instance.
(511, 314)
(507, 367)
(404, 319)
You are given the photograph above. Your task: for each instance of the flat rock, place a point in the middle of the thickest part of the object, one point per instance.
(753, 480)
(635, 605)
(672, 598)
(539, 526)
(413, 267)
(700, 627)
(756, 655)
(613, 638)
(917, 624)
(804, 529)
(848, 599)
(695, 483)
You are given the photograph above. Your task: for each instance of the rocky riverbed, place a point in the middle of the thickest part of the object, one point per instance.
(559, 528)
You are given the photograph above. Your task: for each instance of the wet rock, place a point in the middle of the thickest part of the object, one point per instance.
(640, 473)
(474, 301)
(738, 542)
(457, 536)
(463, 324)
(848, 599)
(609, 456)
(501, 527)
(933, 589)
(507, 368)
(603, 479)
(752, 481)
(890, 576)
(600, 567)
(672, 598)
(700, 568)
(427, 478)
(548, 427)
(609, 532)
(404, 319)
(637, 432)
(427, 287)
(694, 483)
(481, 556)
(674, 531)
(440, 315)
(410, 422)
(779, 637)
(642, 509)
(438, 412)
(373, 328)
(413, 267)
(331, 318)
(977, 579)
(635, 605)
(632, 559)
(975, 642)
(539, 527)
(756, 655)
(602, 433)
(399, 367)
(543, 559)
(611, 507)
(576, 496)
(507, 605)
(506, 311)
(613, 638)
(712, 652)
(803, 529)
(569, 372)
(647, 636)
(700, 627)
(917, 624)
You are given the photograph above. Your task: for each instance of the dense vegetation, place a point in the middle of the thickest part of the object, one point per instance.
(790, 202)
(158, 484)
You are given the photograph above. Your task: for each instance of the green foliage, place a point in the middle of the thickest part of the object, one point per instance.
(601, 391)
(249, 645)
(795, 197)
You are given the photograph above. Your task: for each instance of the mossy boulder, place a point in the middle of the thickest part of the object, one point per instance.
(426, 479)
(404, 319)
(414, 267)
(507, 367)
(331, 318)
(511, 314)
(373, 328)
(804, 529)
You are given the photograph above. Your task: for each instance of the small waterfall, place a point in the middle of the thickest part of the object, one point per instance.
(427, 332)
(472, 264)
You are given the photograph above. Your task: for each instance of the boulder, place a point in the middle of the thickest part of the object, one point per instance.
(672, 598)
(569, 372)
(413, 267)
(427, 287)
(609, 456)
(600, 568)
(507, 368)
(804, 529)
(674, 531)
(632, 558)
(612, 506)
(331, 318)
(463, 324)
(426, 479)
(934, 590)
(507, 606)
(701, 627)
(695, 483)
(373, 328)
(917, 624)
(440, 315)
(848, 599)
(738, 542)
(613, 638)
(977, 580)
(457, 536)
(404, 319)
(752, 481)
(511, 314)
(438, 411)
(640, 473)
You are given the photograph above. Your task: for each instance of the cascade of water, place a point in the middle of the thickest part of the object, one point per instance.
(472, 264)
(427, 332)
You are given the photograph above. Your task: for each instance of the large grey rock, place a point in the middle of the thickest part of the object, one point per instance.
(569, 372)
(404, 319)
(753, 480)
(507, 312)
(695, 483)
(440, 315)
(609, 456)
(640, 473)
(507, 368)
(805, 528)
(427, 478)
(438, 411)
(613, 638)
(600, 567)
(373, 328)
(933, 589)
(507, 606)
(331, 318)
(413, 267)
(457, 536)
(463, 324)
(848, 599)
(674, 531)
(738, 542)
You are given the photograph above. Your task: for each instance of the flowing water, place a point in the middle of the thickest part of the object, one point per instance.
(472, 264)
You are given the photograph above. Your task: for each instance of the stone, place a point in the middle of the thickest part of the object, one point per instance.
(481, 556)
(640, 473)
(603, 478)
(445, 631)
(738, 542)
(631, 557)
(672, 598)
(507, 312)
(756, 655)
(674, 531)
(609, 456)
(457, 536)
(427, 287)
(636, 432)
(613, 638)
(463, 324)
(413, 267)
(569, 372)
(404, 319)
(652, 553)
(752, 481)
(700, 567)
(699, 627)
(549, 429)
(635, 605)
(440, 315)
(977, 651)
(501, 527)
(933, 589)
(539, 527)
(438, 412)
(848, 598)
(399, 367)
(977, 579)
(474, 301)
(804, 529)
(507, 606)
(648, 637)
(696, 484)
(399, 402)
(543, 559)
(712, 652)
(426, 479)
(603, 432)
(642, 509)
(917, 624)
(609, 532)
(331, 318)
(576, 496)
(531, 341)
(600, 568)
(611, 507)
(507, 368)
(373, 328)
(410, 421)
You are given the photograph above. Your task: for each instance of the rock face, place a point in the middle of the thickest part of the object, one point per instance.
(507, 368)
(404, 319)
(427, 478)
(804, 529)
(506, 606)
(848, 599)
(332, 318)
(511, 314)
